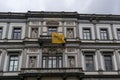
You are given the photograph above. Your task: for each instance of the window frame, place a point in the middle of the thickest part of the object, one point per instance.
(90, 33)
(108, 54)
(47, 59)
(1, 28)
(102, 34)
(89, 53)
(9, 57)
(50, 33)
(13, 33)
(118, 35)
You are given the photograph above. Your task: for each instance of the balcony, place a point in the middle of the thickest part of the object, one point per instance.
(46, 40)
(52, 71)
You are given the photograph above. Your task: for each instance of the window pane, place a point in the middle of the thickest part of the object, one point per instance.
(54, 63)
(51, 61)
(60, 62)
(86, 33)
(89, 62)
(13, 63)
(103, 34)
(44, 62)
(17, 33)
(108, 62)
(118, 34)
(51, 29)
(0, 33)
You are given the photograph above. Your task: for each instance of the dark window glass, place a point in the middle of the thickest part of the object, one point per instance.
(1, 33)
(86, 33)
(13, 63)
(52, 61)
(103, 34)
(118, 34)
(17, 33)
(89, 62)
(108, 62)
(51, 29)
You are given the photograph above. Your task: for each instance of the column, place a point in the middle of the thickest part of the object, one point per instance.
(95, 30)
(7, 30)
(77, 30)
(4, 52)
(41, 27)
(27, 29)
(80, 58)
(24, 57)
(99, 60)
(40, 58)
(117, 55)
(64, 59)
(112, 30)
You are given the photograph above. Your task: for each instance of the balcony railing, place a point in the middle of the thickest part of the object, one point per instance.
(45, 38)
(51, 70)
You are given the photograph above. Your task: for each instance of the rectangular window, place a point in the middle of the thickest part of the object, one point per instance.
(103, 34)
(13, 63)
(17, 33)
(51, 29)
(86, 33)
(108, 62)
(1, 33)
(118, 34)
(52, 61)
(32, 61)
(89, 62)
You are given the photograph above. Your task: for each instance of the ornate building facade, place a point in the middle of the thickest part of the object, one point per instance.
(91, 51)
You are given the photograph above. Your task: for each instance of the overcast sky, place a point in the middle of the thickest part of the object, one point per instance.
(81, 6)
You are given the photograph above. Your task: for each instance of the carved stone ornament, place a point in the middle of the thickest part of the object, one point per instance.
(34, 33)
(70, 49)
(45, 50)
(33, 49)
(52, 50)
(59, 50)
(69, 33)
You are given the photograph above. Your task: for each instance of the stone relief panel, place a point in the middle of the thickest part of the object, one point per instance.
(34, 33)
(33, 50)
(52, 50)
(71, 61)
(32, 61)
(71, 50)
(70, 33)
(34, 23)
(69, 23)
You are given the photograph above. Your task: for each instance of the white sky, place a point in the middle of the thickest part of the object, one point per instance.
(81, 6)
